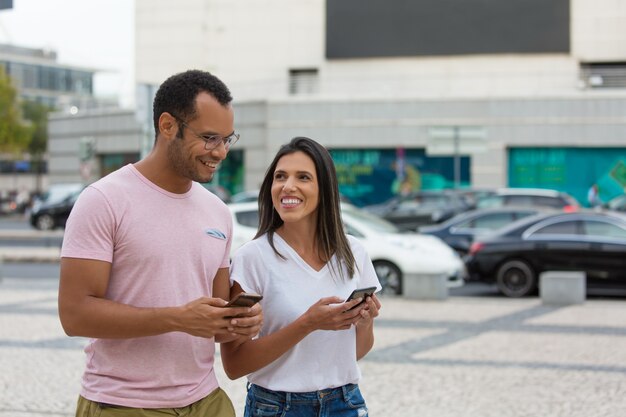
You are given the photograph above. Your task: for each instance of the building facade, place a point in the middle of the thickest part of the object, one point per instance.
(446, 93)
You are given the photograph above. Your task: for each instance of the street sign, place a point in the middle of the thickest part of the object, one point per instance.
(456, 140)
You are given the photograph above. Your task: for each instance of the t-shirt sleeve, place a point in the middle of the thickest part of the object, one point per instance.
(366, 271)
(89, 232)
(247, 268)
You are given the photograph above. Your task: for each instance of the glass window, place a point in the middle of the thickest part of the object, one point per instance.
(352, 231)
(520, 200)
(603, 229)
(371, 220)
(490, 221)
(493, 201)
(113, 162)
(548, 202)
(303, 81)
(559, 228)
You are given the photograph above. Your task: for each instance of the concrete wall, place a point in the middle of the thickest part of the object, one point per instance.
(253, 45)
(112, 132)
(597, 120)
(564, 121)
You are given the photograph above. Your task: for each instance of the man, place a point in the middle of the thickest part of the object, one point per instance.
(144, 266)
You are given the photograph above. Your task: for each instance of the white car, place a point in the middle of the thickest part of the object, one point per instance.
(393, 254)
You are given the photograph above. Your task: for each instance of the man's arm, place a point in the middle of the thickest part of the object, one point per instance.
(84, 310)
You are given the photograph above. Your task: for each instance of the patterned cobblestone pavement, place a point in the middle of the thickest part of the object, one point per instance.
(471, 357)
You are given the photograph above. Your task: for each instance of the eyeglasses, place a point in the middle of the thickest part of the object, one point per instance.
(212, 141)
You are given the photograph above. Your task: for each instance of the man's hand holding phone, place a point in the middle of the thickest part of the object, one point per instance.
(247, 314)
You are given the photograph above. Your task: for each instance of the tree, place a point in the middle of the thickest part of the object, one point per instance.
(37, 114)
(15, 136)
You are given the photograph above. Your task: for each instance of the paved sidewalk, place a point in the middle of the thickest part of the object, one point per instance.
(470, 357)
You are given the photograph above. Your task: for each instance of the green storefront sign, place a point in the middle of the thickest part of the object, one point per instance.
(573, 170)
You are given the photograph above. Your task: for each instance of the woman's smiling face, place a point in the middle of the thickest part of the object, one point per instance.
(295, 188)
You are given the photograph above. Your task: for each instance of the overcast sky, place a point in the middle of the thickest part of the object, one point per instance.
(97, 34)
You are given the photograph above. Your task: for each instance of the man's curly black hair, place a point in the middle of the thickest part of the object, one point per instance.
(177, 95)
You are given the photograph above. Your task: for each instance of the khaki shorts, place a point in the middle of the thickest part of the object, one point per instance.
(216, 404)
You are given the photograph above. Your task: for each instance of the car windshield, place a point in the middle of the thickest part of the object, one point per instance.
(58, 193)
(428, 200)
(374, 222)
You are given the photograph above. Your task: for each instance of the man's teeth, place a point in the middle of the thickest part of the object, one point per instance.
(290, 201)
(209, 164)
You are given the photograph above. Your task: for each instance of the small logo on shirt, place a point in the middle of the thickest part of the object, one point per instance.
(215, 233)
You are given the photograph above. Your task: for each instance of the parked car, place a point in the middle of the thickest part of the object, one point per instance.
(616, 204)
(410, 211)
(54, 207)
(394, 255)
(529, 197)
(245, 196)
(253, 195)
(459, 231)
(513, 257)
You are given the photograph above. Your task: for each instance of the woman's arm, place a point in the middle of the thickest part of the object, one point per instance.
(365, 327)
(243, 327)
(240, 359)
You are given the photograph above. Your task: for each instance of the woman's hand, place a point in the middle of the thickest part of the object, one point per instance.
(370, 309)
(331, 313)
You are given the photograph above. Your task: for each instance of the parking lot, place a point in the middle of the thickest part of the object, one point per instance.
(472, 356)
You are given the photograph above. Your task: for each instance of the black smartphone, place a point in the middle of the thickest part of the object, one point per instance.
(361, 293)
(244, 299)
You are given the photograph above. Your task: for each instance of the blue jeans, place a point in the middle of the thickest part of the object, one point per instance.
(345, 401)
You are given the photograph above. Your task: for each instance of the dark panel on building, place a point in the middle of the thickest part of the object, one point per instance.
(397, 28)
(6, 4)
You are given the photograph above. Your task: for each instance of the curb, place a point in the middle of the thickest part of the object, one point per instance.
(40, 255)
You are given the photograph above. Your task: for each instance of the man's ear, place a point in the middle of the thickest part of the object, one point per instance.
(168, 126)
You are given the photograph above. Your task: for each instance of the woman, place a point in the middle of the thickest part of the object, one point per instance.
(304, 361)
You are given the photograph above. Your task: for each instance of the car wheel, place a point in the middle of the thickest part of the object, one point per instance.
(390, 277)
(45, 222)
(516, 278)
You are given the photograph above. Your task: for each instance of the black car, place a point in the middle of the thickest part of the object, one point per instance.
(513, 257)
(410, 211)
(459, 232)
(54, 207)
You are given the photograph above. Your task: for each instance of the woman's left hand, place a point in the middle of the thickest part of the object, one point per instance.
(369, 311)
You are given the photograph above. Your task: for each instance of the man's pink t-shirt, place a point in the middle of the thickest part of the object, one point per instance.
(164, 250)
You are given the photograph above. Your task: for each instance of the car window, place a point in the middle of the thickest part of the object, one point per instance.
(492, 201)
(559, 228)
(544, 201)
(352, 231)
(371, 220)
(60, 192)
(520, 200)
(603, 229)
(248, 218)
(489, 221)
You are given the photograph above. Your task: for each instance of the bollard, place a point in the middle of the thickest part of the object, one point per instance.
(563, 287)
(425, 286)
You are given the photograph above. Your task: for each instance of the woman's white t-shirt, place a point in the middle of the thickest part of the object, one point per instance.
(324, 358)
